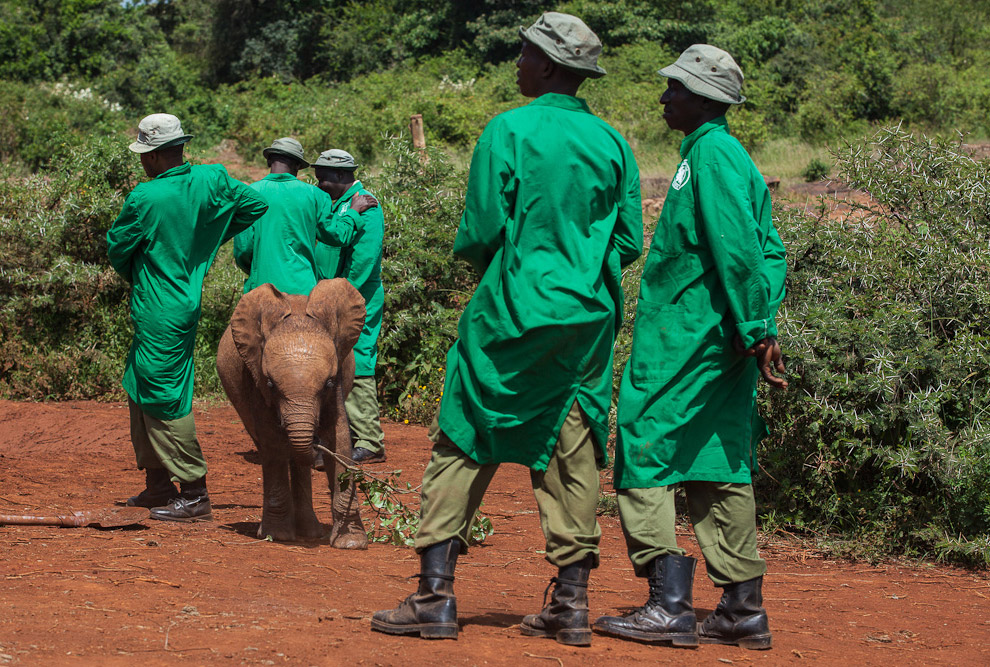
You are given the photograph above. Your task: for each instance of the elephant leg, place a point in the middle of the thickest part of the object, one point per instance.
(277, 514)
(307, 525)
(348, 530)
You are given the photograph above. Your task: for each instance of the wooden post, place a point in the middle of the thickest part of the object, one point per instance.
(416, 130)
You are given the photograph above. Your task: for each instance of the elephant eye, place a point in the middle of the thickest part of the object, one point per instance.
(329, 384)
(270, 383)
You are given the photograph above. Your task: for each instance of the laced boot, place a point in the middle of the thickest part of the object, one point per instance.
(566, 617)
(158, 489)
(193, 504)
(739, 618)
(430, 612)
(668, 615)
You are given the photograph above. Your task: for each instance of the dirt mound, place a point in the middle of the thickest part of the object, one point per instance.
(170, 594)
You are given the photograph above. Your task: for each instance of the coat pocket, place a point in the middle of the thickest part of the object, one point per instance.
(661, 345)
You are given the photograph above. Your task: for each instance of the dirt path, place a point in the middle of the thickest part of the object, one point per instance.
(212, 593)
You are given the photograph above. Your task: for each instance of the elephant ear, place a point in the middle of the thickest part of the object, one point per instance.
(256, 315)
(340, 308)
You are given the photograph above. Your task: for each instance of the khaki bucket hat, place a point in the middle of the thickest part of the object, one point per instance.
(336, 159)
(567, 41)
(159, 130)
(289, 147)
(708, 71)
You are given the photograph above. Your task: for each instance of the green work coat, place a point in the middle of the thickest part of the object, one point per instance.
(163, 243)
(360, 261)
(281, 247)
(552, 215)
(687, 402)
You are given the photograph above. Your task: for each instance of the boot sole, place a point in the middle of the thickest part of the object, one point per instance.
(684, 640)
(160, 501)
(566, 637)
(424, 630)
(753, 643)
(191, 519)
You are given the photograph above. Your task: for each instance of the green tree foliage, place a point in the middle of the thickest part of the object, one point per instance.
(819, 69)
(78, 38)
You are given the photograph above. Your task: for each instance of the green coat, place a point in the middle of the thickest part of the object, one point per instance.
(687, 402)
(360, 261)
(552, 215)
(163, 243)
(281, 247)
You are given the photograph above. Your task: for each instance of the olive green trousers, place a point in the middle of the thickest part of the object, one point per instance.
(566, 494)
(363, 414)
(169, 444)
(724, 519)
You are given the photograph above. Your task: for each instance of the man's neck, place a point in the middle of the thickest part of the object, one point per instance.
(701, 120)
(558, 87)
(282, 168)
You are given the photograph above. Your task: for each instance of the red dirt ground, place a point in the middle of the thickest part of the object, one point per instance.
(170, 594)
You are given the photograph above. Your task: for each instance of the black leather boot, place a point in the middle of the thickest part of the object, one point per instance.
(566, 617)
(739, 619)
(668, 616)
(193, 504)
(430, 612)
(158, 489)
(362, 455)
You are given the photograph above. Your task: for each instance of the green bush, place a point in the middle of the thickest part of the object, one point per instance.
(426, 288)
(816, 170)
(41, 123)
(884, 433)
(63, 330)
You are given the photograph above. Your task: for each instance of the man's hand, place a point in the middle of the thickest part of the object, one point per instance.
(361, 203)
(767, 353)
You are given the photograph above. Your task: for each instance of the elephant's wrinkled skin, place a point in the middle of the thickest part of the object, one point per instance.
(287, 364)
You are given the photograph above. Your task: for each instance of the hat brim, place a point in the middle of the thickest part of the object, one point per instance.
(276, 151)
(698, 86)
(333, 166)
(138, 147)
(541, 42)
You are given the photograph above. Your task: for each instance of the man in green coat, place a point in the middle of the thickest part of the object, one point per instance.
(281, 247)
(552, 216)
(712, 283)
(163, 243)
(360, 261)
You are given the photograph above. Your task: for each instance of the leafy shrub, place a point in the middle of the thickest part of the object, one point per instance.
(41, 124)
(816, 170)
(426, 287)
(64, 333)
(884, 433)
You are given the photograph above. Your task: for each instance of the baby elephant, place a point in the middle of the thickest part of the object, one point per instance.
(287, 364)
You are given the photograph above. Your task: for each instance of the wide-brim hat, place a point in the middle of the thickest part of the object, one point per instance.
(336, 159)
(567, 41)
(708, 71)
(159, 130)
(289, 147)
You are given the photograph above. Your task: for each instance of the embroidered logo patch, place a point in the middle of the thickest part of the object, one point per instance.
(682, 176)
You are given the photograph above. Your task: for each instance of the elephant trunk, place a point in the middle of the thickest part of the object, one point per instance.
(301, 430)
